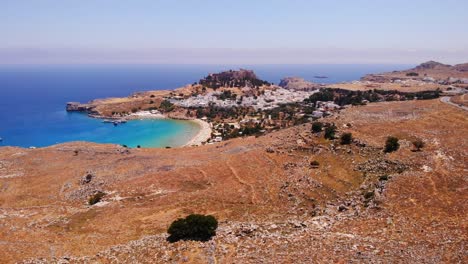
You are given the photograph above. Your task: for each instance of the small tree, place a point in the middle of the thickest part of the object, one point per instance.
(330, 132)
(346, 138)
(166, 106)
(96, 198)
(193, 227)
(391, 144)
(418, 144)
(317, 127)
(314, 164)
(412, 74)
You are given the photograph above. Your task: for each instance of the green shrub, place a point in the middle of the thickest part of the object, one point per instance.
(193, 227)
(96, 198)
(346, 139)
(166, 106)
(330, 132)
(418, 144)
(383, 178)
(412, 74)
(314, 164)
(317, 127)
(369, 195)
(391, 144)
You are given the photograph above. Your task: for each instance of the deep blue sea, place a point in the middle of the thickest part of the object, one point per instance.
(33, 98)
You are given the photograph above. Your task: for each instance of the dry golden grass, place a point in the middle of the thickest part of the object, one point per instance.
(388, 86)
(238, 180)
(460, 99)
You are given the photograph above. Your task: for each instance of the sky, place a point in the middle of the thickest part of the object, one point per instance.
(232, 32)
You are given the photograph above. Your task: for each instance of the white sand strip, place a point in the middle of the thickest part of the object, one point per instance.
(202, 136)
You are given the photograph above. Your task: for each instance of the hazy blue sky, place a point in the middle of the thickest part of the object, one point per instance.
(234, 31)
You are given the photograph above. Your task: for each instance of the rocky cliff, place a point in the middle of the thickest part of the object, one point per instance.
(240, 78)
(77, 107)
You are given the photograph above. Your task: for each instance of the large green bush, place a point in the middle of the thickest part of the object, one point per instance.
(330, 132)
(418, 144)
(317, 127)
(346, 138)
(391, 144)
(96, 198)
(194, 227)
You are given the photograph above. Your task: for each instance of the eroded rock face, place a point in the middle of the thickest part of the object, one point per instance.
(297, 84)
(76, 107)
(231, 78)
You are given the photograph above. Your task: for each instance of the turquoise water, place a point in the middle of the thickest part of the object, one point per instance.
(33, 98)
(65, 127)
(146, 132)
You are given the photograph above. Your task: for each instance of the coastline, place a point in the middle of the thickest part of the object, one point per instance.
(203, 134)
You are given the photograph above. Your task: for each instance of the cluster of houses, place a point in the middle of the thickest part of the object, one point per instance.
(271, 98)
(324, 109)
(265, 101)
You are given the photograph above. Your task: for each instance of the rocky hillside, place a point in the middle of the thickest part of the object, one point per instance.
(289, 196)
(428, 71)
(432, 65)
(461, 67)
(241, 78)
(298, 84)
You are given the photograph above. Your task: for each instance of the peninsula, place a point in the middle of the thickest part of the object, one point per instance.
(237, 103)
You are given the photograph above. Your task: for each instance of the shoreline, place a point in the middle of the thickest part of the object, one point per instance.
(203, 134)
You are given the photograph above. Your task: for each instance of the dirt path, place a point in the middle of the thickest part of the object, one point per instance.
(243, 182)
(446, 99)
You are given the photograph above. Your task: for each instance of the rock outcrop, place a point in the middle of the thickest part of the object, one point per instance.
(77, 107)
(240, 78)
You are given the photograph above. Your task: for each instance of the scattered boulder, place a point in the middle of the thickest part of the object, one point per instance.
(382, 166)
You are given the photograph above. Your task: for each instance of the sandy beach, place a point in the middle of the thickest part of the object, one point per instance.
(202, 136)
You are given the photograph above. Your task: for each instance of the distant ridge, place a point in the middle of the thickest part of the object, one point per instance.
(461, 67)
(432, 65)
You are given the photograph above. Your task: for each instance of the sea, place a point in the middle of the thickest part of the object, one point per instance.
(33, 99)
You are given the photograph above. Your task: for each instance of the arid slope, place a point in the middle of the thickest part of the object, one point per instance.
(272, 205)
